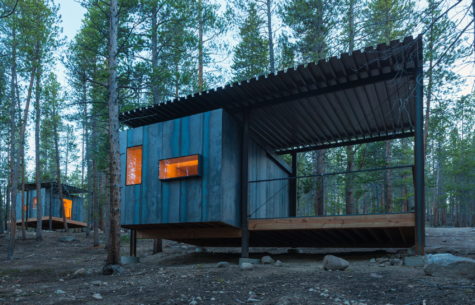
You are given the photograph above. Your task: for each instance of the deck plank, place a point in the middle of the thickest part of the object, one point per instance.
(334, 222)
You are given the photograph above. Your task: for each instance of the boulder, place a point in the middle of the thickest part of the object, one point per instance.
(67, 239)
(112, 269)
(222, 265)
(448, 265)
(246, 266)
(331, 262)
(278, 263)
(267, 260)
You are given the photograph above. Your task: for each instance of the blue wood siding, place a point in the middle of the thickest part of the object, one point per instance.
(215, 195)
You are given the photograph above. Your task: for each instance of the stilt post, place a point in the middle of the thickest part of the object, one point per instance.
(419, 155)
(244, 185)
(133, 242)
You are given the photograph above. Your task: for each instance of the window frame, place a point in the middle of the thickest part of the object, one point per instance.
(127, 162)
(199, 174)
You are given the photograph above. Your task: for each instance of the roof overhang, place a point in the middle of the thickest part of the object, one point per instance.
(360, 97)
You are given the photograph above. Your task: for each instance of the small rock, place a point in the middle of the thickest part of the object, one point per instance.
(382, 265)
(331, 262)
(395, 262)
(278, 263)
(126, 260)
(79, 272)
(382, 260)
(246, 266)
(97, 296)
(373, 260)
(61, 280)
(111, 269)
(267, 260)
(59, 291)
(67, 239)
(376, 275)
(222, 265)
(253, 300)
(18, 291)
(96, 283)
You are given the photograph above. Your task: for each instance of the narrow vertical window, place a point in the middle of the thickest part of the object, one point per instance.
(35, 202)
(134, 165)
(68, 208)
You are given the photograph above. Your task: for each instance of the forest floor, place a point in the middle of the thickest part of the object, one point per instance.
(53, 272)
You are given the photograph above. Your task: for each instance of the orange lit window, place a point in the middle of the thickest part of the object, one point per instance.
(134, 165)
(35, 202)
(179, 167)
(68, 208)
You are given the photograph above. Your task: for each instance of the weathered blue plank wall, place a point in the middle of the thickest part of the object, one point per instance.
(78, 212)
(215, 196)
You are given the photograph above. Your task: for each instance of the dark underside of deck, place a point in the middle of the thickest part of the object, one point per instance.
(356, 231)
(57, 223)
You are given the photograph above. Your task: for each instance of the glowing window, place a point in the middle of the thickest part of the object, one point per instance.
(35, 202)
(68, 208)
(179, 167)
(134, 165)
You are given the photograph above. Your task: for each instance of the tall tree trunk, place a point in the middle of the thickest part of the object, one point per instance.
(13, 161)
(93, 190)
(22, 195)
(350, 151)
(430, 49)
(20, 151)
(200, 45)
(388, 189)
(58, 175)
(154, 47)
(270, 40)
(39, 203)
(2, 209)
(319, 162)
(113, 255)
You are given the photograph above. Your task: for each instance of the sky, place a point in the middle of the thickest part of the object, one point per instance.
(71, 15)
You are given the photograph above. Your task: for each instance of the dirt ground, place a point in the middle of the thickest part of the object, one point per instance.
(53, 272)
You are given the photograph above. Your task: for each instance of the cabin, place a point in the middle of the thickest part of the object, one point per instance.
(52, 209)
(219, 168)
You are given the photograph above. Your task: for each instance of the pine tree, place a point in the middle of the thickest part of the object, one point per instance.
(251, 54)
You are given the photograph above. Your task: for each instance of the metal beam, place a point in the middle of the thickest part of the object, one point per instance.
(419, 154)
(345, 143)
(293, 187)
(244, 184)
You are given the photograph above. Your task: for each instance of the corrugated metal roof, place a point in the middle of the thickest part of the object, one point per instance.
(364, 96)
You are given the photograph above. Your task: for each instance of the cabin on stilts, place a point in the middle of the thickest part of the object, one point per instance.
(52, 209)
(219, 168)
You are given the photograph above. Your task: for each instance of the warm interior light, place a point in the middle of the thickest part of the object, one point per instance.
(134, 165)
(68, 208)
(35, 202)
(179, 167)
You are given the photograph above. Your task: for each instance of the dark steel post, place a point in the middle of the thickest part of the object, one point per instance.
(419, 155)
(133, 242)
(244, 185)
(293, 187)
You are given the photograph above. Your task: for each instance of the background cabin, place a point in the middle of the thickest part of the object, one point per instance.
(73, 205)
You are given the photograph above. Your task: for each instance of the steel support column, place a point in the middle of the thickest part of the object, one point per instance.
(244, 184)
(419, 155)
(133, 242)
(293, 187)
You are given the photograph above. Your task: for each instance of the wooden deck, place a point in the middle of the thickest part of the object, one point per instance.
(57, 223)
(362, 231)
